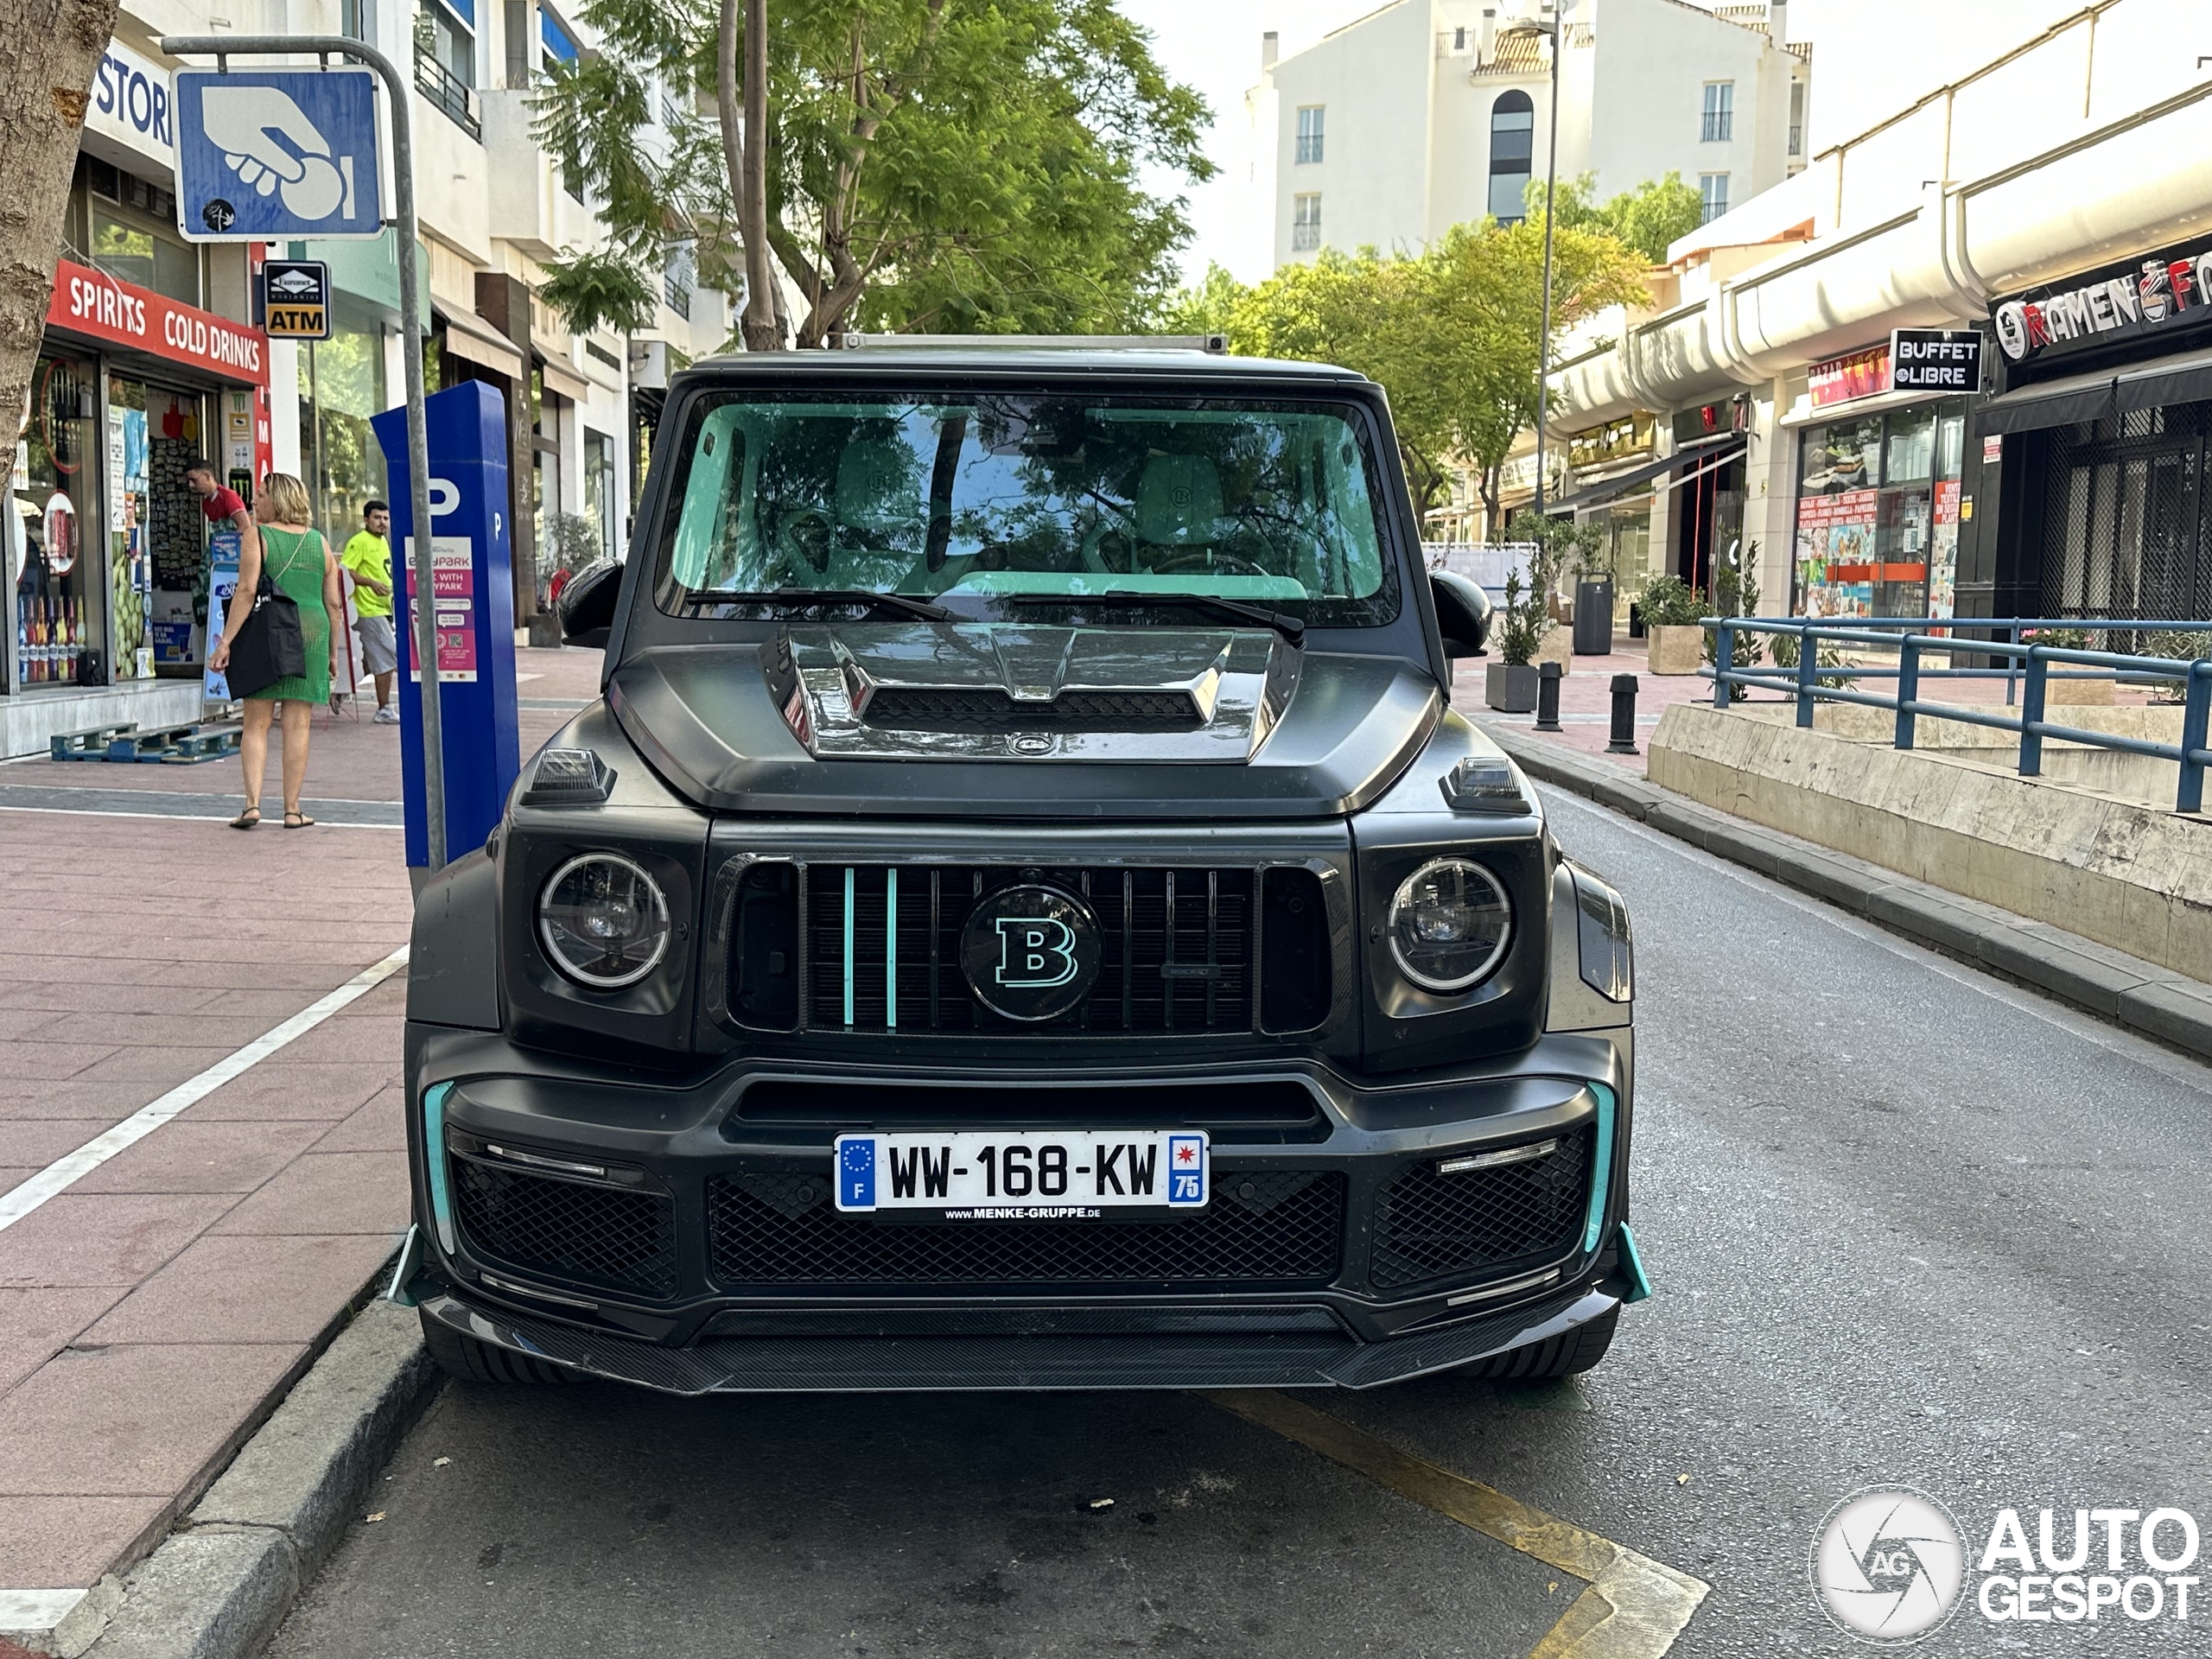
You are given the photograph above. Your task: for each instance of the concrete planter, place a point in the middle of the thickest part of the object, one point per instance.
(2078, 692)
(1510, 688)
(1676, 648)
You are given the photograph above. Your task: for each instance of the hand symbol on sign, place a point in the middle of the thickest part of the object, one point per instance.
(268, 141)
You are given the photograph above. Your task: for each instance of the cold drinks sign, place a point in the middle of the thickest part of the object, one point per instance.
(1935, 360)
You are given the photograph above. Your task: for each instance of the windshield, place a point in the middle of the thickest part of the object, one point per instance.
(985, 504)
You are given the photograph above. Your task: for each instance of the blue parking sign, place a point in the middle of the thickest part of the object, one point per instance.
(276, 155)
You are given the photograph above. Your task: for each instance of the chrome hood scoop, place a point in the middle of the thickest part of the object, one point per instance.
(985, 692)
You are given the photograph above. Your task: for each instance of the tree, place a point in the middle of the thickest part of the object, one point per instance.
(909, 164)
(1647, 218)
(51, 48)
(1450, 334)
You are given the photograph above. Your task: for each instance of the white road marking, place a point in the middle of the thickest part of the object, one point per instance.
(65, 1171)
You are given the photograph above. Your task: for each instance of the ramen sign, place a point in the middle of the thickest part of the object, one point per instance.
(2168, 292)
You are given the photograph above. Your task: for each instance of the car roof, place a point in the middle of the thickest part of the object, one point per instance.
(1028, 363)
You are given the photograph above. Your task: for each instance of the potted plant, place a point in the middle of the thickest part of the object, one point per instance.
(1523, 624)
(1673, 617)
(1736, 592)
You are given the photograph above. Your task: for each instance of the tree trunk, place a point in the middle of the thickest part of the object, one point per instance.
(747, 155)
(48, 49)
(1487, 487)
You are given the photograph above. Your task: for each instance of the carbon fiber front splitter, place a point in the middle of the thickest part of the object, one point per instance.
(777, 1364)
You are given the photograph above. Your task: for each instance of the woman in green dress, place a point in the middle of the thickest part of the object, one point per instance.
(299, 563)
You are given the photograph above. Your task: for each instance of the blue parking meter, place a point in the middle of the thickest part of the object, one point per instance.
(474, 603)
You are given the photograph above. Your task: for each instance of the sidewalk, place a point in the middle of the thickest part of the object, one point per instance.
(153, 1311)
(1586, 700)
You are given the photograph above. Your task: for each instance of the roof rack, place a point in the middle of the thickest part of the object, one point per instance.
(1215, 344)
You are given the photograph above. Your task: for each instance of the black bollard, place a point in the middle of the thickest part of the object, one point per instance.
(1547, 697)
(1623, 741)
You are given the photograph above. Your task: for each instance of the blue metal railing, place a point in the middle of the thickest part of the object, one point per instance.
(2027, 668)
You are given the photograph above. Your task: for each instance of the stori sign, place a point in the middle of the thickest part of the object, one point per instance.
(2168, 290)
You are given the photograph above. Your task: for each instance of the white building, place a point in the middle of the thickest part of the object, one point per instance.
(1429, 113)
(2038, 179)
(96, 504)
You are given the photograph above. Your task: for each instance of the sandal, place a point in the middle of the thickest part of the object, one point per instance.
(305, 822)
(249, 819)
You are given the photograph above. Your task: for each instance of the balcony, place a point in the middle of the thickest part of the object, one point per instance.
(453, 97)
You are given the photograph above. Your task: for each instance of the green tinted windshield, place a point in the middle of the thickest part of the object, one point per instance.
(972, 502)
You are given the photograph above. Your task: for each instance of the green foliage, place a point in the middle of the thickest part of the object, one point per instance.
(1646, 219)
(1578, 549)
(1208, 308)
(1451, 334)
(1736, 591)
(598, 290)
(1525, 619)
(1667, 601)
(933, 165)
(573, 542)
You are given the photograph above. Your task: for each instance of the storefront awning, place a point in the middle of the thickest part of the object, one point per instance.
(1711, 453)
(467, 337)
(2186, 378)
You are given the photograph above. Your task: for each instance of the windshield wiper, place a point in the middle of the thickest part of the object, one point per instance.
(911, 605)
(1289, 626)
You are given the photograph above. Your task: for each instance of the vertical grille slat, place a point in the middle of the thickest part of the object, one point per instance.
(1176, 949)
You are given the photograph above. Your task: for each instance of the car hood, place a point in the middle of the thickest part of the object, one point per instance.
(1017, 721)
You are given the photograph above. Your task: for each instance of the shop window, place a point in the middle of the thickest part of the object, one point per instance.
(55, 492)
(1309, 135)
(599, 487)
(1305, 223)
(342, 385)
(1512, 152)
(1878, 513)
(1796, 118)
(132, 250)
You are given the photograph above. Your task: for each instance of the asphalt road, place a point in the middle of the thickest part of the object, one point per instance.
(1907, 1224)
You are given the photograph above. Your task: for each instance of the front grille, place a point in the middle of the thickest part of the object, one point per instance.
(566, 1229)
(1431, 1226)
(1283, 1227)
(1177, 949)
(989, 710)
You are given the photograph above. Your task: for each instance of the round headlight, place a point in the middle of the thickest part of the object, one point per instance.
(603, 921)
(1449, 924)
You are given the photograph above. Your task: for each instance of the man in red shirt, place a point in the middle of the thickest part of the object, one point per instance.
(222, 504)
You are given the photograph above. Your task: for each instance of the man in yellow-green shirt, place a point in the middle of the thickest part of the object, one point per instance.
(368, 558)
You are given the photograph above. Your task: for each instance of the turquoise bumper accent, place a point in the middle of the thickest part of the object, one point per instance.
(1602, 1175)
(1639, 1288)
(434, 1156)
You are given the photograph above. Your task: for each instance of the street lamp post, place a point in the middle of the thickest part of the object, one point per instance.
(1559, 8)
(225, 47)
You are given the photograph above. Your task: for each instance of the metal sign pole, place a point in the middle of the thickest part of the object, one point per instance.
(419, 440)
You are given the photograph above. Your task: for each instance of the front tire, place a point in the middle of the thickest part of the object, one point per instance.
(466, 1359)
(1568, 1354)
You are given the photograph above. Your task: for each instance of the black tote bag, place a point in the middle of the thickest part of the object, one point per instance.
(271, 646)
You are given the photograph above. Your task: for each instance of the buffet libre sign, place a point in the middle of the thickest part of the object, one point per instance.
(1935, 360)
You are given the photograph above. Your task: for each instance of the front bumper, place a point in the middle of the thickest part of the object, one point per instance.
(703, 1256)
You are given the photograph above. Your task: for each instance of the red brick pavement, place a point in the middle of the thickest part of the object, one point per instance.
(152, 1313)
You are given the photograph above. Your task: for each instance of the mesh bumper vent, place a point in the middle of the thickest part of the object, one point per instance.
(774, 1229)
(566, 1229)
(1431, 1226)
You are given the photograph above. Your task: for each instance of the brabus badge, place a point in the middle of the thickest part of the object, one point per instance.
(1030, 952)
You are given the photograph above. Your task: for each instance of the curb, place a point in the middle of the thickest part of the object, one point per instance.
(2142, 996)
(218, 1587)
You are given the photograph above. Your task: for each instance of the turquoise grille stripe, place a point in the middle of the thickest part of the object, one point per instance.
(848, 946)
(891, 952)
(433, 1158)
(1601, 1179)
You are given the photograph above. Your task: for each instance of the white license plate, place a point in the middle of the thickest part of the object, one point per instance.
(1023, 1174)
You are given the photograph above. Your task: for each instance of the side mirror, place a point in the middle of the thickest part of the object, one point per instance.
(587, 607)
(1463, 612)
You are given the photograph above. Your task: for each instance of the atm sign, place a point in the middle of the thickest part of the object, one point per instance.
(296, 304)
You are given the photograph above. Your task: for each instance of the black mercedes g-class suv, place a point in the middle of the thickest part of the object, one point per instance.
(1024, 914)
